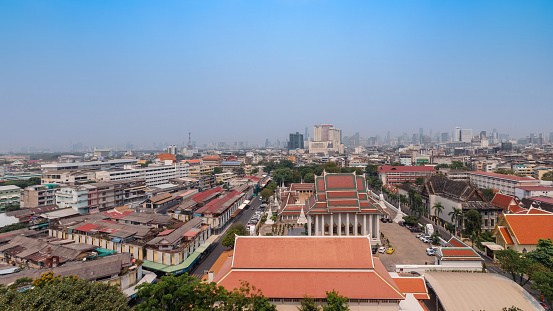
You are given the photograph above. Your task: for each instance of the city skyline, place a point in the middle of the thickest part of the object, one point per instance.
(241, 71)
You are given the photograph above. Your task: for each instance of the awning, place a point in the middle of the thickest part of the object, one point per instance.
(104, 251)
(180, 268)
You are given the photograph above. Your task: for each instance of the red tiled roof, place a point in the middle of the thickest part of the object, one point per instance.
(342, 194)
(165, 232)
(212, 158)
(202, 195)
(191, 233)
(343, 203)
(86, 227)
(535, 211)
(296, 284)
(501, 176)
(411, 285)
(457, 252)
(516, 209)
(421, 297)
(316, 252)
(542, 199)
(502, 200)
(535, 188)
(340, 181)
(506, 236)
(388, 168)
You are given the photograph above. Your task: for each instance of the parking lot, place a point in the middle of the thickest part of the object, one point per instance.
(409, 250)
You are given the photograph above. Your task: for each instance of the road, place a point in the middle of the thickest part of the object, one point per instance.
(208, 261)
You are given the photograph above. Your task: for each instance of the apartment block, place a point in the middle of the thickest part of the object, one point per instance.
(9, 195)
(506, 184)
(37, 196)
(153, 175)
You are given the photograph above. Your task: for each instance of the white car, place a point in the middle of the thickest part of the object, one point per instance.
(419, 235)
(382, 249)
(430, 252)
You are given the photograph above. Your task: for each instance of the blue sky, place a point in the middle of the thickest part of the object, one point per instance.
(111, 72)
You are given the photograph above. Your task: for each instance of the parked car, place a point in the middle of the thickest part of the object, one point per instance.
(389, 220)
(419, 235)
(416, 229)
(390, 250)
(374, 249)
(382, 249)
(430, 252)
(401, 223)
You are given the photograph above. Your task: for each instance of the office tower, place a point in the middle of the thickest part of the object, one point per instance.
(482, 134)
(466, 135)
(421, 135)
(457, 134)
(296, 141)
(445, 137)
(306, 136)
(172, 149)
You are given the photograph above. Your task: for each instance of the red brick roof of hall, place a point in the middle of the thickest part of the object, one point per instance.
(388, 168)
(512, 177)
(352, 252)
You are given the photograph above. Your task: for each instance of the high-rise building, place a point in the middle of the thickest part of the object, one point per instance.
(172, 149)
(445, 137)
(457, 134)
(296, 141)
(421, 135)
(466, 135)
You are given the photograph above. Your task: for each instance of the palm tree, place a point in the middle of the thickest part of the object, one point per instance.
(438, 209)
(403, 200)
(456, 214)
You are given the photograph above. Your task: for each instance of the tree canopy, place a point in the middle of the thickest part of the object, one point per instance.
(187, 293)
(473, 222)
(64, 294)
(235, 229)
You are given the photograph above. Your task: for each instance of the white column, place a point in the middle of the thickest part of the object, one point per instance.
(371, 225)
(309, 225)
(317, 224)
(340, 224)
(355, 226)
(347, 224)
(364, 224)
(331, 226)
(377, 227)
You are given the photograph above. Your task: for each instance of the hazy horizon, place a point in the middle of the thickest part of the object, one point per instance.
(111, 73)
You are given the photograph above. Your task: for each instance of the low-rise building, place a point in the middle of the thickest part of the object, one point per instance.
(504, 183)
(398, 174)
(533, 191)
(153, 175)
(67, 177)
(39, 195)
(9, 195)
(522, 231)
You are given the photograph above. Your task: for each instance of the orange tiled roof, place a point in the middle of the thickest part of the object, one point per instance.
(411, 285)
(296, 284)
(506, 236)
(528, 228)
(317, 253)
(166, 156)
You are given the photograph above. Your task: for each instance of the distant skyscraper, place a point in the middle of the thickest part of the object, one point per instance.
(457, 134)
(466, 135)
(445, 137)
(421, 135)
(296, 141)
(172, 149)
(306, 136)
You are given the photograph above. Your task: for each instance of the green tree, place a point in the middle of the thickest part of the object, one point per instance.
(488, 194)
(505, 171)
(235, 229)
(181, 293)
(419, 181)
(371, 170)
(255, 171)
(458, 165)
(359, 171)
(240, 171)
(281, 175)
(473, 223)
(543, 281)
(543, 253)
(439, 166)
(512, 308)
(435, 237)
(266, 194)
(65, 294)
(217, 170)
(308, 304)
(285, 164)
(547, 176)
(514, 264)
(336, 302)
(249, 298)
(272, 186)
(309, 178)
(331, 167)
(456, 215)
(411, 220)
(438, 209)
(12, 227)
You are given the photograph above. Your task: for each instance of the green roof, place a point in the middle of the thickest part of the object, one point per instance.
(104, 251)
(180, 268)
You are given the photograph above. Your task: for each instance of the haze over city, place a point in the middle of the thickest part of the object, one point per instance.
(142, 72)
